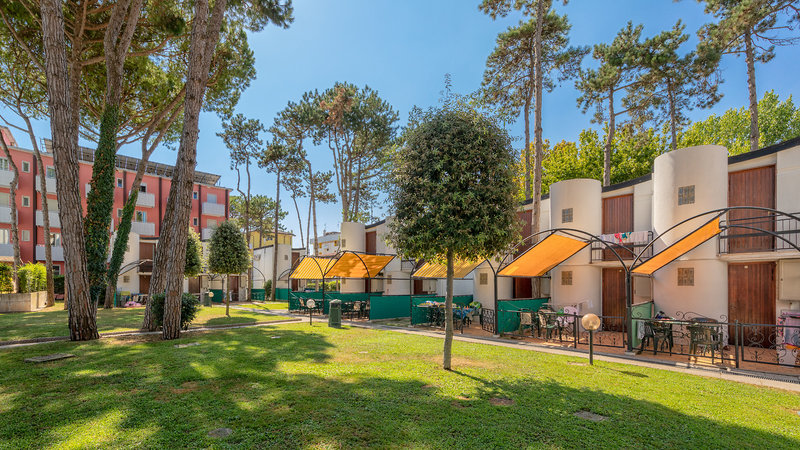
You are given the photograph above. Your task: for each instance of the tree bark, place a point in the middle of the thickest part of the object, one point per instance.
(82, 323)
(672, 118)
(537, 119)
(227, 282)
(612, 127)
(17, 262)
(751, 90)
(313, 195)
(448, 314)
(273, 297)
(48, 246)
(171, 252)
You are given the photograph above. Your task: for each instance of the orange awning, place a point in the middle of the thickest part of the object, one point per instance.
(358, 265)
(460, 269)
(311, 268)
(680, 248)
(539, 259)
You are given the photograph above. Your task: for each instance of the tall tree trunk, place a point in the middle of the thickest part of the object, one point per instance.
(448, 314)
(273, 297)
(749, 53)
(612, 128)
(123, 234)
(17, 262)
(308, 230)
(48, 246)
(299, 218)
(672, 117)
(171, 252)
(313, 195)
(249, 293)
(537, 120)
(82, 323)
(527, 117)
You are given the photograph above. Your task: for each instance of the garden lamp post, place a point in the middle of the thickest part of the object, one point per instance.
(591, 323)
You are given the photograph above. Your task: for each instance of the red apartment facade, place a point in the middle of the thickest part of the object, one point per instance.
(210, 202)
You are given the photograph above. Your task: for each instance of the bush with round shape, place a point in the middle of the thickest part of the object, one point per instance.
(190, 306)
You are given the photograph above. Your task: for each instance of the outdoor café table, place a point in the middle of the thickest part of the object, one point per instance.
(705, 333)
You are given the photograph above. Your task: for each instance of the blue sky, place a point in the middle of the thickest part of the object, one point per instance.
(403, 49)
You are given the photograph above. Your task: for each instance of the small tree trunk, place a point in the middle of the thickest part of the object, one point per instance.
(273, 297)
(448, 314)
(749, 53)
(227, 295)
(609, 140)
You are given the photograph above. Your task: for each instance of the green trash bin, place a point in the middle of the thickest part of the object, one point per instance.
(335, 314)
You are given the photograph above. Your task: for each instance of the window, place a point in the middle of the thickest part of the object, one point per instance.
(686, 195)
(566, 278)
(343, 242)
(25, 235)
(119, 212)
(211, 198)
(5, 199)
(194, 221)
(5, 236)
(194, 195)
(388, 279)
(285, 257)
(50, 172)
(119, 182)
(56, 270)
(26, 201)
(126, 279)
(211, 223)
(566, 215)
(143, 188)
(483, 279)
(686, 276)
(335, 243)
(141, 216)
(3, 164)
(55, 239)
(26, 166)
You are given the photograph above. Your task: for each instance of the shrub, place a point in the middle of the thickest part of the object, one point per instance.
(6, 278)
(190, 306)
(268, 290)
(32, 277)
(58, 284)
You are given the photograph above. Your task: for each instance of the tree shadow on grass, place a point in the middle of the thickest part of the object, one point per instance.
(233, 320)
(290, 392)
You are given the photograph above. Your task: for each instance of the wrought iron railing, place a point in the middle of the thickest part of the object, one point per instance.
(625, 247)
(752, 234)
(487, 320)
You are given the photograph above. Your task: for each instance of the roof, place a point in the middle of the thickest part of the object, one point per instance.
(460, 269)
(358, 265)
(124, 162)
(311, 268)
(539, 259)
(679, 248)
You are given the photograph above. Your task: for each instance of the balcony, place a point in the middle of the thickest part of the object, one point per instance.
(143, 228)
(5, 177)
(7, 250)
(759, 234)
(58, 253)
(5, 214)
(51, 184)
(206, 233)
(626, 245)
(55, 222)
(146, 199)
(213, 209)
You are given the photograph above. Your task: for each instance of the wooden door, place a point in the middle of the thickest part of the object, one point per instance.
(613, 298)
(523, 288)
(751, 187)
(618, 218)
(144, 284)
(418, 287)
(751, 300)
(194, 285)
(371, 242)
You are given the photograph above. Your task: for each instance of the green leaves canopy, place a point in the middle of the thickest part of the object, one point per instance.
(228, 252)
(452, 187)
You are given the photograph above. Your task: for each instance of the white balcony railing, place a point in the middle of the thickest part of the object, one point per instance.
(58, 253)
(55, 222)
(51, 184)
(146, 199)
(213, 209)
(206, 233)
(5, 177)
(143, 228)
(6, 250)
(5, 214)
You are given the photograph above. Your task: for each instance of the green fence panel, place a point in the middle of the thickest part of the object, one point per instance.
(282, 294)
(316, 295)
(507, 317)
(258, 294)
(639, 311)
(420, 315)
(388, 306)
(219, 296)
(344, 297)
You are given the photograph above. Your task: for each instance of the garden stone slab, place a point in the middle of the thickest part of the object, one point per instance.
(588, 415)
(220, 433)
(192, 344)
(46, 358)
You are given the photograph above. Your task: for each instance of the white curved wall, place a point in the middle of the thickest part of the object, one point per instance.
(584, 290)
(353, 238)
(706, 168)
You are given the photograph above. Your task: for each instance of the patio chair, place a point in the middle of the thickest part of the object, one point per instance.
(705, 337)
(549, 322)
(526, 320)
(655, 333)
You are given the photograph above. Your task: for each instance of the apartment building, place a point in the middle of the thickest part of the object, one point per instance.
(209, 207)
(328, 244)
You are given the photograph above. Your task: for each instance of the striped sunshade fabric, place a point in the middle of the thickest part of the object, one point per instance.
(358, 265)
(311, 268)
(460, 269)
(539, 259)
(679, 248)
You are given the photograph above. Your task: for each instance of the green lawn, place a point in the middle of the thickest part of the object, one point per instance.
(268, 306)
(325, 388)
(52, 322)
